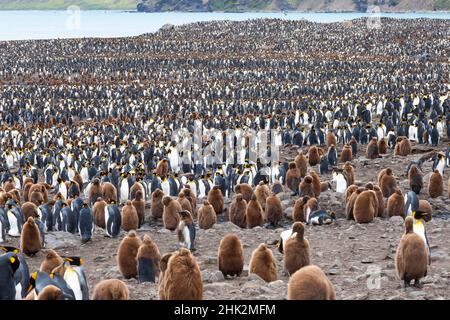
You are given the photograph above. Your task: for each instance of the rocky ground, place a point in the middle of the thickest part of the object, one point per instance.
(358, 258)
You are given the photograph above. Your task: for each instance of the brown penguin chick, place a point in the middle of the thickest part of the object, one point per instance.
(162, 168)
(387, 182)
(310, 206)
(98, 212)
(74, 188)
(346, 154)
(380, 199)
(139, 204)
(315, 182)
(325, 186)
(36, 198)
(157, 207)
(185, 203)
(296, 250)
(245, 189)
(30, 238)
(51, 260)
(293, 177)
(95, 190)
(435, 185)
(230, 257)
(27, 180)
(353, 144)
(26, 191)
(313, 156)
(382, 146)
(183, 279)
(79, 180)
(171, 216)
(111, 289)
(349, 173)
(45, 187)
(351, 203)
(310, 283)
(127, 255)
(58, 196)
(254, 213)
(402, 147)
(150, 252)
(15, 195)
(137, 186)
(365, 207)
(396, 204)
(37, 187)
(50, 292)
(29, 209)
(129, 216)
(262, 191)
(161, 283)
(297, 213)
(215, 198)
(425, 206)
(415, 178)
(189, 194)
(372, 149)
(331, 138)
(349, 191)
(9, 184)
(206, 216)
(302, 164)
(306, 187)
(411, 258)
(262, 263)
(109, 192)
(274, 210)
(237, 210)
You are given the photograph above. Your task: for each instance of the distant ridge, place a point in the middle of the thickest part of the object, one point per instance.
(230, 5)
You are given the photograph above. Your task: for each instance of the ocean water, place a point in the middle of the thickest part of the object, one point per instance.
(72, 23)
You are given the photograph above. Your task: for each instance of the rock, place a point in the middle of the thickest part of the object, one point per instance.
(367, 261)
(354, 268)
(255, 277)
(100, 258)
(164, 231)
(213, 276)
(333, 271)
(59, 239)
(396, 220)
(417, 294)
(276, 284)
(218, 287)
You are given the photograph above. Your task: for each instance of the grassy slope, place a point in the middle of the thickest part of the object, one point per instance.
(224, 5)
(64, 4)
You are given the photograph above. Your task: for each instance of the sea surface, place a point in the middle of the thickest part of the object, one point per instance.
(73, 23)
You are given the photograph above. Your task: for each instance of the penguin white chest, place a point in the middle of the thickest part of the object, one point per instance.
(165, 185)
(106, 221)
(13, 225)
(71, 277)
(124, 191)
(419, 229)
(10, 161)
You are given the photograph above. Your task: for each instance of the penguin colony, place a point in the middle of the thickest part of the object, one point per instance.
(91, 145)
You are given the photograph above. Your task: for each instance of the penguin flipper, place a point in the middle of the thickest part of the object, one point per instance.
(146, 270)
(192, 233)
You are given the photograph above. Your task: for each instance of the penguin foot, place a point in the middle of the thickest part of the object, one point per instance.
(417, 284)
(407, 283)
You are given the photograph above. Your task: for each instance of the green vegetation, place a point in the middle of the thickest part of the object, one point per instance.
(442, 5)
(216, 5)
(64, 4)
